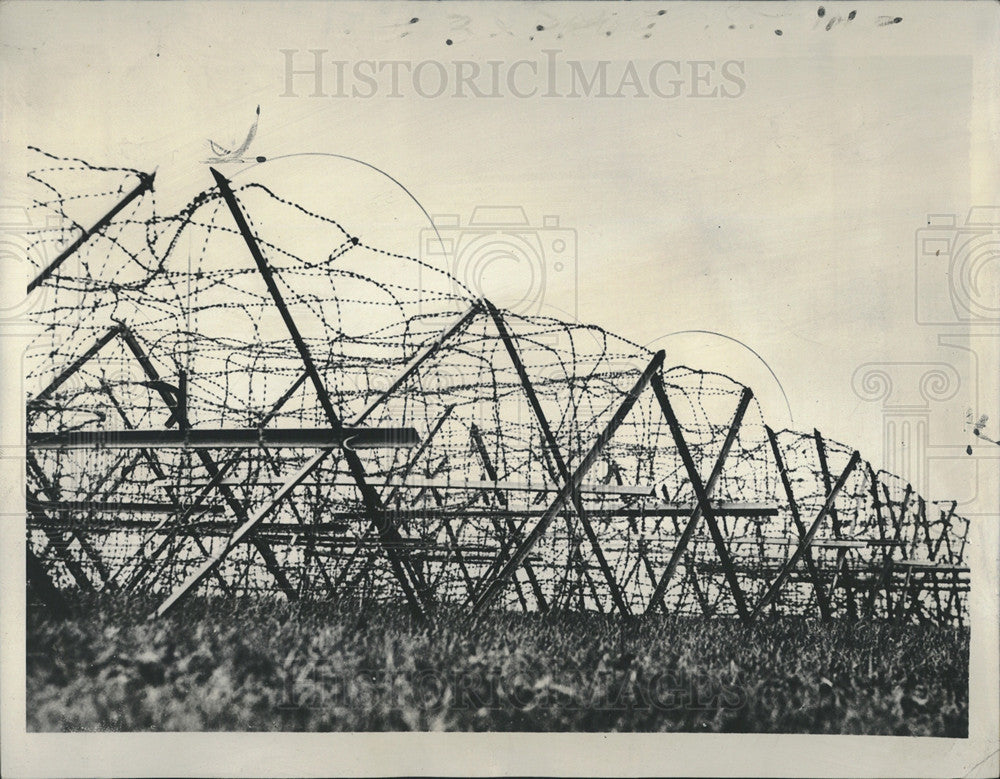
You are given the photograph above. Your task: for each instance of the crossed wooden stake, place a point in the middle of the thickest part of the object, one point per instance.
(507, 562)
(514, 555)
(702, 508)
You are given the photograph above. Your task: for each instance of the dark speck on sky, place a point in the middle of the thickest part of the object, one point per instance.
(821, 12)
(851, 15)
(414, 20)
(448, 42)
(539, 27)
(777, 32)
(660, 13)
(262, 159)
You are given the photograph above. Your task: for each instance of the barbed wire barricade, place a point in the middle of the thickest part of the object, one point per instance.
(246, 397)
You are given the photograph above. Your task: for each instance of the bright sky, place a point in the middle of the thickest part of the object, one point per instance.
(779, 215)
(777, 225)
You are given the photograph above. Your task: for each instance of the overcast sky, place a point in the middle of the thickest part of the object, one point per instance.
(764, 187)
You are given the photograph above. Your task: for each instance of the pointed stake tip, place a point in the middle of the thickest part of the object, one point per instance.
(219, 178)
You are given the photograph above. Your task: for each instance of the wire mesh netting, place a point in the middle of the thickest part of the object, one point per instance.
(161, 336)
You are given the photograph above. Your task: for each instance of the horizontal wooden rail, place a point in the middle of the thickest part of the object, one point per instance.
(245, 438)
(119, 507)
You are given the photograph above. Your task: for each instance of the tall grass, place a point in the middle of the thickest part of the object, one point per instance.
(267, 665)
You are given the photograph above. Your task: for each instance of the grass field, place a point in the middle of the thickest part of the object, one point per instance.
(268, 665)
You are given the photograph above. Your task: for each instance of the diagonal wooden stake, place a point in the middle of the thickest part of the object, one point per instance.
(409, 578)
(178, 415)
(56, 537)
(145, 184)
(553, 450)
(886, 549)
(827, 479)
(491, 474)
(393, 491)
(58, 543)
(897, 526)
(521, 552)
(74, 366)
(807, 540)
(293, 481)
(703, 493)
(143, 560)
(843, 567)
(241, 534)
(793, 508)
(308, 554)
